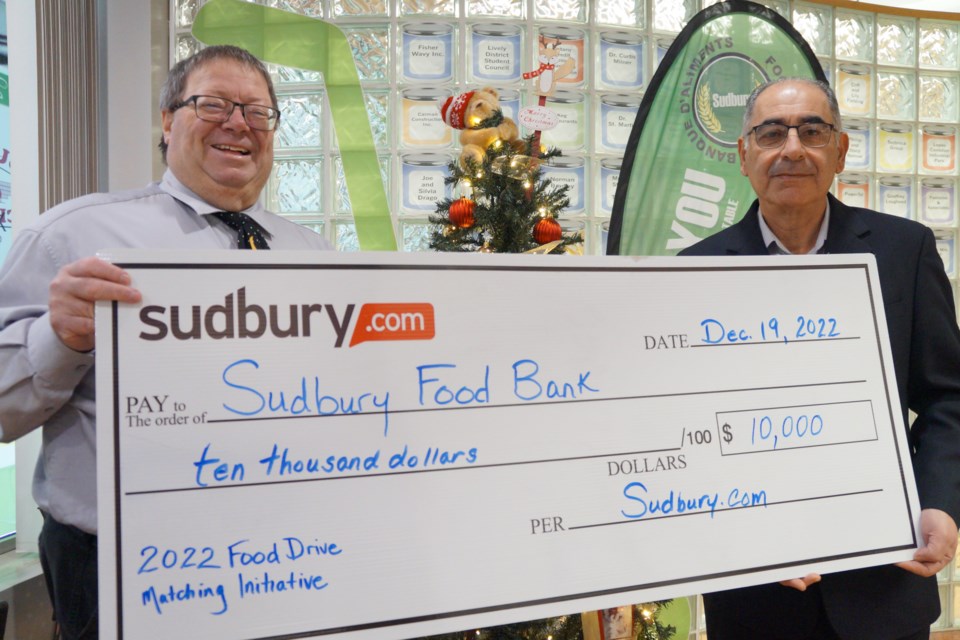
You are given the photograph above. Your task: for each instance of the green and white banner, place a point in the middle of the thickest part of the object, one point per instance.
(680, 178)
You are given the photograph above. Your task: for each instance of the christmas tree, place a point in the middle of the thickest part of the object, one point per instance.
(645, 626)
(507, 206)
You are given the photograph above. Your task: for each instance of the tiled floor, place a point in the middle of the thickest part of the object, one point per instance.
(22, 587)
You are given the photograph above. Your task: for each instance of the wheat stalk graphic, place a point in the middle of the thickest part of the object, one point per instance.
(707, 116)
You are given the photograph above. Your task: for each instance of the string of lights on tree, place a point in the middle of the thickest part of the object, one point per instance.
(507, 205)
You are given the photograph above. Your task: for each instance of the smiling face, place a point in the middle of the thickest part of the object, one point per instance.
(792, 179)
(227, 164)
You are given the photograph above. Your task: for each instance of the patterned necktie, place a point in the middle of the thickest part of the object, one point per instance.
(249, 232)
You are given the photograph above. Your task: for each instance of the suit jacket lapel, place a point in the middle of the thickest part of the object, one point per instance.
(745, 238)
(848, 232)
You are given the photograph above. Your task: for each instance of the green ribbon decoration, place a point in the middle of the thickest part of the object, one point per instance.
(292, 40)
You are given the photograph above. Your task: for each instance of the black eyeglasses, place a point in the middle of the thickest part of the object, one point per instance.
(216, 109)
(811, 134)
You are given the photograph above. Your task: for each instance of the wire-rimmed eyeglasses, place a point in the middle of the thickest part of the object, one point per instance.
(811, 134)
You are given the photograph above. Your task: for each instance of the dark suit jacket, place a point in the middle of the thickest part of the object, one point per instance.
(880, 602)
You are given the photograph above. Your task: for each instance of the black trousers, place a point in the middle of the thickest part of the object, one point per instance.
(723, 626)
(69, 560)
(734, 631)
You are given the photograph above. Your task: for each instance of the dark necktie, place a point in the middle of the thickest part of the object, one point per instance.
(249, 232)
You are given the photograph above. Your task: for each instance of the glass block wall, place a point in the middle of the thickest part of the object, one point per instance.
(897, 79)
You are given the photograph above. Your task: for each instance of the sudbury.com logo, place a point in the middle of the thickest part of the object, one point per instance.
(394, 321)
(238, 318)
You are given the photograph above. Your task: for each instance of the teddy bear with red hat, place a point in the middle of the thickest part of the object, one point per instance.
(466, 111)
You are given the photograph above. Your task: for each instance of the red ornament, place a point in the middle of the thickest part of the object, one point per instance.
(461, 212)
(547, 230)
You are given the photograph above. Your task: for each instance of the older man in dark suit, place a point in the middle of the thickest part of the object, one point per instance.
(791, 148)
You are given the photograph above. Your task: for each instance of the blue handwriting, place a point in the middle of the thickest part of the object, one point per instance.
(160, 599)
(299, 400)
(676, 503)
(770, 330)
(444, 395)
(527, 386)
(431, 458)
(792, 427)
(281, 463)
(240, 553)
(256, 586)
(189, 558)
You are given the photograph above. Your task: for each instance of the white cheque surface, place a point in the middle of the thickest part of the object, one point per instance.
(390, 446)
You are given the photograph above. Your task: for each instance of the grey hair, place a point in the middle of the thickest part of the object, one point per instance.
(171, 93)
(819, 84)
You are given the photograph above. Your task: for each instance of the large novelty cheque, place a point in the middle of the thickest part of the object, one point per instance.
(389, 445)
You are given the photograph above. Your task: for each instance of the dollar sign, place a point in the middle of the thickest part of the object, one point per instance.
(727, 436)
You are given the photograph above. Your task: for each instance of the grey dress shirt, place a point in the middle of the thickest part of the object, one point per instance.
(43, 382)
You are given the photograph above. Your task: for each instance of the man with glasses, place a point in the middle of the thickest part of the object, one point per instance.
(219, 116)
(791, 147)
